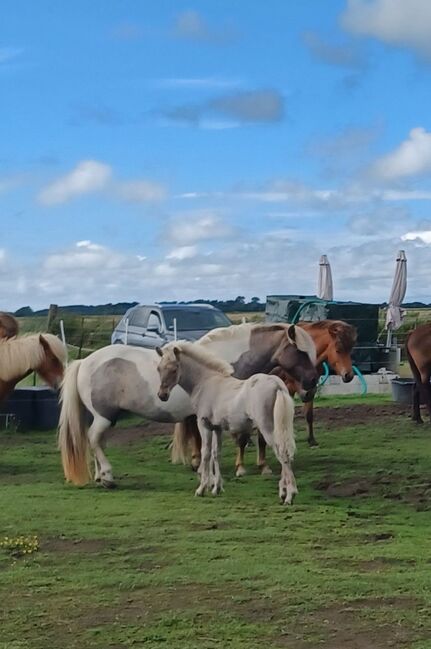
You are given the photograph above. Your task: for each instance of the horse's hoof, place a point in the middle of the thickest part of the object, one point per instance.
(266, 470)
(312, 443)
(199, 492)
(240, 471)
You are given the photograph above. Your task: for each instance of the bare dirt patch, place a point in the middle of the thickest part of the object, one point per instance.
(67, 546)
(349, 626)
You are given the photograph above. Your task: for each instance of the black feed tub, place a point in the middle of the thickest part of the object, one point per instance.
(402, 390)
(34, 408)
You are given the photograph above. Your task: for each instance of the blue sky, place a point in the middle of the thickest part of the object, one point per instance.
(161, 150)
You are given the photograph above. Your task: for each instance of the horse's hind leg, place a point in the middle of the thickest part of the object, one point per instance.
(103, 471)
(287, 488)
(265, 469)
(215, 462)
(205, 467)
(416, 416)
(242, 441)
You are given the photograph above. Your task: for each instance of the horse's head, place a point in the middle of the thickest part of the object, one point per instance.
(169, 371)
(51, 368)
(296, 354)
(342, 338)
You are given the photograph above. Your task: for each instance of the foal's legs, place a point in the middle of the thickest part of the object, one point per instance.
(242, 441)
(103, 469)
(215, 462)
(205, 467)
(287, 488)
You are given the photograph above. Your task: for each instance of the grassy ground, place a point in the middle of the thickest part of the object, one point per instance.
(148, 565)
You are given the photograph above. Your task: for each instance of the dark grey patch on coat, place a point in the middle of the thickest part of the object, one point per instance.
(117, 386)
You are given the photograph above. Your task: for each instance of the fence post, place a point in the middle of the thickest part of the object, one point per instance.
(52, 314)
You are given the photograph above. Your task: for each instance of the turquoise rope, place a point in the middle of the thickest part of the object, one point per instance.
(362, 381)
(324, 376)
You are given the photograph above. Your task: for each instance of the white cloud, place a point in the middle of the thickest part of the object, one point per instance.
(141, 191)
(191, 227)
(183, 252)
(84, 256)
(423, 236)
(405, 23)
(87, 177)
(411, 158)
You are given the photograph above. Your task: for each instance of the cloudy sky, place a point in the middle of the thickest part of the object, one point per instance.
(160, 150)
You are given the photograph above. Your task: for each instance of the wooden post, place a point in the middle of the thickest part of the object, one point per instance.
(52, 314)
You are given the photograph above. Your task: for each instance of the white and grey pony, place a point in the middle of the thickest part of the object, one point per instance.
(120, 378)
(223, 403)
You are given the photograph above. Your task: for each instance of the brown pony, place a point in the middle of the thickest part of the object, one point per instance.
(8, 326)
(19, 357)
(418, 348)
(334, 341)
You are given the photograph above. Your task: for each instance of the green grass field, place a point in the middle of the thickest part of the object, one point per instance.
(149, 565)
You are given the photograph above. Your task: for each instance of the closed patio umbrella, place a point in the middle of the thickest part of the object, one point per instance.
(394, 314)
(326, 289)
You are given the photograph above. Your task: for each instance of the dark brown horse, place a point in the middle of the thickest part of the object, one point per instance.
(8, 326)
(418, 348)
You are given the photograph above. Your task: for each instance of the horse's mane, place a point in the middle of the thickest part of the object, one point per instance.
(201, 355)
(344, 333)
(18, 355)
(226, 333)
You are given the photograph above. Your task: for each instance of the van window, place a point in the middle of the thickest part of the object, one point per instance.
(195, 319)
(137, 318)
(154, 321)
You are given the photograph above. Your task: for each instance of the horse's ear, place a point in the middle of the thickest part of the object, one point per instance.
(291, 332)
(43, 341)
(177, 353)
(159, 351)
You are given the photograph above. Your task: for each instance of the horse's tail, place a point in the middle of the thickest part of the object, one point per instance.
(180, 451)
(72, 432)
(284, 436)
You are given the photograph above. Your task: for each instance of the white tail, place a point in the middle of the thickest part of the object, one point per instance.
(284, 436)
(72, 432)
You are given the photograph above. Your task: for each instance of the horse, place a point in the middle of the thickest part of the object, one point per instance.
(120, 378)
(8, 326)
(334, 341)
(418, 349)
(224, 403)
(19, 357)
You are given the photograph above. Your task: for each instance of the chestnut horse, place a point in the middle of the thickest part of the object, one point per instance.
(334, 341)
(8, 326)
(19, 357)
(418, 348)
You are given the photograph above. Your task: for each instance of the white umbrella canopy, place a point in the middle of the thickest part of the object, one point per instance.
(394, 314)
(326, 289)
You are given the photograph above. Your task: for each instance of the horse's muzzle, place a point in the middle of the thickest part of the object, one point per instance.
(347, 377)
(163, 396)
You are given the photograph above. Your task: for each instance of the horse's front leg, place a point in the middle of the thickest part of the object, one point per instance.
(265, 469)
(195, 441)
(205, 466)
(309, 418)
(416, 416)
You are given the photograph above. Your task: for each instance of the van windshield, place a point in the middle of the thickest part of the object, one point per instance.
(195, 319)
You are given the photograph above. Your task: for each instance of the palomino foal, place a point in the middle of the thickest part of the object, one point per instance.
(223, 403)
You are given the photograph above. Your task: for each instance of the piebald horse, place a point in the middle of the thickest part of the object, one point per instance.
(118, 378)
(19, 357)
(223, 403)
(334, 341)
